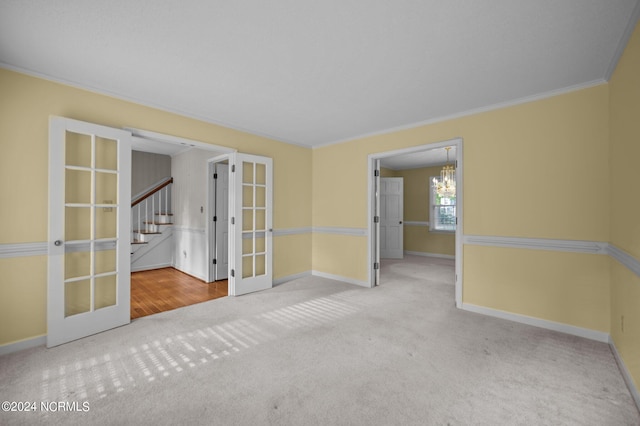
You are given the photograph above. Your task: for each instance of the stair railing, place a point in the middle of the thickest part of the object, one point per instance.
(144, 207)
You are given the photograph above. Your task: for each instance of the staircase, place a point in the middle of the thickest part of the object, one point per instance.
(151, 221)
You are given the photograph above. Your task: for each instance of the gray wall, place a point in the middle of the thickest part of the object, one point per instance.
(147, 169)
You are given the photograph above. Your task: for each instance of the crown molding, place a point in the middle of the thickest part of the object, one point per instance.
(624, 40)
(493, 107)
(164, 108)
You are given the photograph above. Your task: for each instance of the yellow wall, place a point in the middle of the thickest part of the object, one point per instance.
(25, 106)
(625, 204)
(418, 238)
(528, 172)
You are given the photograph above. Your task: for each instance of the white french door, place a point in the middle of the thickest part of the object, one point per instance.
(250, 210)
(391, 218)
(89, 264)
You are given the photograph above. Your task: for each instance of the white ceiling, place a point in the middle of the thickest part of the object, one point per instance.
(427, 158)
(318, 72)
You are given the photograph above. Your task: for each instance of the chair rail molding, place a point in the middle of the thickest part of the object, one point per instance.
(576, 246)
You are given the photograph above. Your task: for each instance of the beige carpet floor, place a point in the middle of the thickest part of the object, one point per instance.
(320, 352)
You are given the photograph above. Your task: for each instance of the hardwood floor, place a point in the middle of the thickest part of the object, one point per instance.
(167, 288)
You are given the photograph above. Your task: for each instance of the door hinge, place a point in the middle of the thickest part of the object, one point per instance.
(376, 219)
(456, 220)
(215, 262)
(233, 220)
(376, 266)
(215, 176)
(376, 173)
(215, 218)
(233, 168)
(233, 272)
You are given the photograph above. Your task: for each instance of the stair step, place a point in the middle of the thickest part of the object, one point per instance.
(158, 223)
(138, 231)
(139, 242)
(164, 214)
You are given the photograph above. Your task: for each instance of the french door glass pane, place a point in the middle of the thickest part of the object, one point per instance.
(77, 186)
(106, 154)
(77, 297)
(247, 172)
(77, 150)
(77, 223)
(105, 291)
(247, 267)
(261, 174)
(105, 261)
(77, 264)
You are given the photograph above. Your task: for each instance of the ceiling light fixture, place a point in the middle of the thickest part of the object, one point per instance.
(446, 186)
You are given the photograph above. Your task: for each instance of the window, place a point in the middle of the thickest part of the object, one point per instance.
(442, 210)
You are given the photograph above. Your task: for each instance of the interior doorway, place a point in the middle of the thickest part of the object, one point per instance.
(428, 154)
(159, 290)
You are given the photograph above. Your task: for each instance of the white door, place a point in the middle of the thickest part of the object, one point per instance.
(221, 221)
(250, 211)
(88, 288)
(391, 217)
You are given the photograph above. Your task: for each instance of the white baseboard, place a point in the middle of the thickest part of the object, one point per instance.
(626, 375)
(426, 254)
(288, 278)
(340, 278)
(23, 344)
(151, 267)
(599, 336)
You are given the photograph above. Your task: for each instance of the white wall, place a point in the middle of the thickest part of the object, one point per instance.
(189, 171)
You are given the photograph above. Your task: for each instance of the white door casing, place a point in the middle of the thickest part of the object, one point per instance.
(391, 218)
(221, 222)
(376, 225)
(88, 287)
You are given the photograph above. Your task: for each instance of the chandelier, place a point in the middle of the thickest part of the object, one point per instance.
(446, 186)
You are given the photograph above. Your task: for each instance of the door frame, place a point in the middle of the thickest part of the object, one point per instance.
(216, 150)
(212, 229)
(373, 251)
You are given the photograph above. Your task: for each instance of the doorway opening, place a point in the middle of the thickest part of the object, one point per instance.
(419, 157)
(185, 275)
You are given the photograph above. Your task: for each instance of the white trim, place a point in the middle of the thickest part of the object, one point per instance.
(23, 249)
(575, 246)
(358, 232)
(152, 267)
(624, 258)
(427, 254)
(599, 336)
(288, 278)
(23, 344)
(340, 278)
(176, 140)
(470, 112)
(292, 231)
(626, 375)
(415, 223)
(622, 43)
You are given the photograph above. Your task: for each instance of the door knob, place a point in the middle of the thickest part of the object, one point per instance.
(57, 243)
(400, 223)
